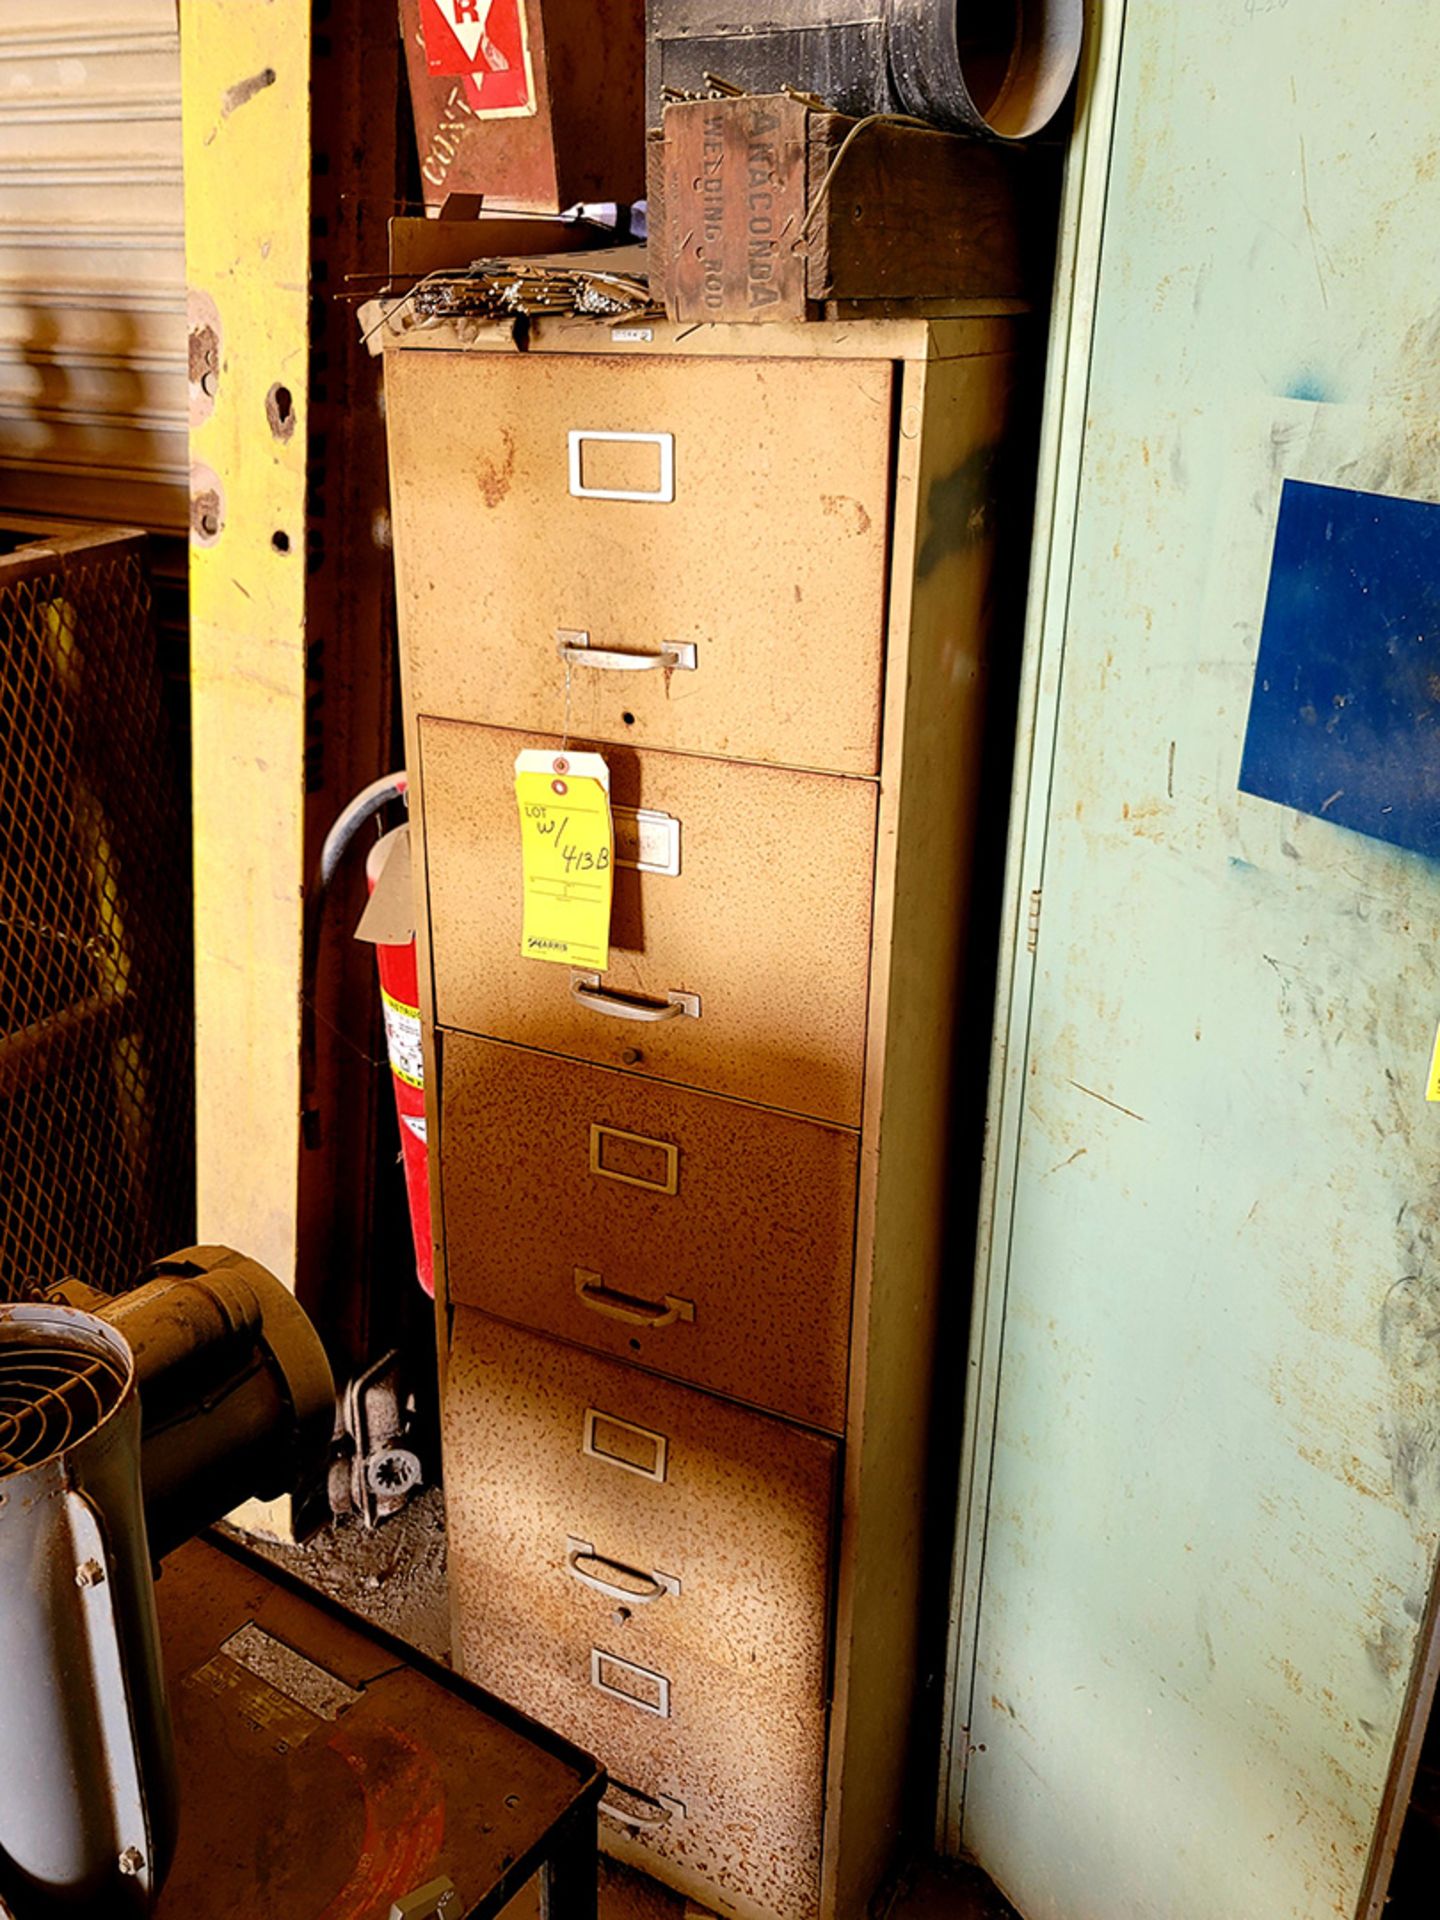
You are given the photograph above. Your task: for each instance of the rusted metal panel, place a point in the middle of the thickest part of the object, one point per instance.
(706, 1239)
(700, 1677)
(327, 1769)
(1203, 1492)
(767, 921)
(755, 532)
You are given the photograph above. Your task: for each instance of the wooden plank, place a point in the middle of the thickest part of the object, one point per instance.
(734, 200)
(913, 214)
(419, 246)
(905, 334)
(576, 130)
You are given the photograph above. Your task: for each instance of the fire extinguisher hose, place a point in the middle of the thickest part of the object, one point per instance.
(380, 793)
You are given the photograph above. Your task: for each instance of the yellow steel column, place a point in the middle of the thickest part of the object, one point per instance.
(246, 76)
(289, 135)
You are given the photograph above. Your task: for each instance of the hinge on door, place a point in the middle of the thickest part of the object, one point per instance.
(1032, 932)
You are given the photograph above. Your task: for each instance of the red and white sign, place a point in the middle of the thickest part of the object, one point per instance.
(486, 42)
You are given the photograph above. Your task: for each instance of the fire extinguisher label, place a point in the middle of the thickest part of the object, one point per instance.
(416, 1123)
(402, 1040)
(486, 42)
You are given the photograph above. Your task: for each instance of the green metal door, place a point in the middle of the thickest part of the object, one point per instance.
(1202, 1485)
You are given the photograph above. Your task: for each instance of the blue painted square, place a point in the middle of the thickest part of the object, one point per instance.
(1345, 710)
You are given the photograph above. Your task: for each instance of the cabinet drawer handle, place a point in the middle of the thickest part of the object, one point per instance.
(592, 1291)
(586, 988)
(650, 1586)
(573, 646)
(664, 1812)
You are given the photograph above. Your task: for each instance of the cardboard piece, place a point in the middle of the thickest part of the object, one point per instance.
(389, 916)
(419, 245)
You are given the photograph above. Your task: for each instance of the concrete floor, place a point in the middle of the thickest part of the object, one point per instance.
(394, 1576)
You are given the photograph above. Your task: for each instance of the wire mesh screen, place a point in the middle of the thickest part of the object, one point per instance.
(96, 1010)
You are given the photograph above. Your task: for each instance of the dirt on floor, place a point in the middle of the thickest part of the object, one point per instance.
(393, 1576)
(946, 1890)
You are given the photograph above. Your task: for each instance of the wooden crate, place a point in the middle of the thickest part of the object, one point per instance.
(751, 217)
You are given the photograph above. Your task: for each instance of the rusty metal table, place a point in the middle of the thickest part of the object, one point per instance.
(328, 1772)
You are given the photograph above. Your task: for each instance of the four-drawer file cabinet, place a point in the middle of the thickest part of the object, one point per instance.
(687, 1211)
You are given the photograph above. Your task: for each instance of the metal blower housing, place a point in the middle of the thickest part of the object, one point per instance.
(126, 1426)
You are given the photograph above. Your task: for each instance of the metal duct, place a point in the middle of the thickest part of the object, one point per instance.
(998, 67)
(87, 1788)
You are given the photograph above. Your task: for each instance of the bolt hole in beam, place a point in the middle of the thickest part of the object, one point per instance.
(280, 411)
(280, 541)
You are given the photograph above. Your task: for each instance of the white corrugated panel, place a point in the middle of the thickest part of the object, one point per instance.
(92, 269)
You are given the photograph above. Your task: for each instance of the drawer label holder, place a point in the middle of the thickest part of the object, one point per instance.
(661, 494)
(647, 840)
(620, 1443)
(638, 1687)
(653, 1164)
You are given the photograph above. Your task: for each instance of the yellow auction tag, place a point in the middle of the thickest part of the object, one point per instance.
(1432, 1090)
(567, 843)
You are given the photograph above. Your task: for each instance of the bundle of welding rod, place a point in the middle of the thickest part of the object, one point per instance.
(609, 286)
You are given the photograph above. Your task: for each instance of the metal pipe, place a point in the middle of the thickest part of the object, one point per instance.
(1000, 68)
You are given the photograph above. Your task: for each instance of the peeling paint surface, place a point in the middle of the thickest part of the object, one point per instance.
(1208, 1347)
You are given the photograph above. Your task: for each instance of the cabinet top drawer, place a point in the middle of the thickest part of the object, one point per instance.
(711, 535)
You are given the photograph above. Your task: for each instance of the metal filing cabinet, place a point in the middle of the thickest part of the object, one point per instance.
(689, 1264)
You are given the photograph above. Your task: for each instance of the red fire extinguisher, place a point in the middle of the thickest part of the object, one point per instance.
(400, 1002)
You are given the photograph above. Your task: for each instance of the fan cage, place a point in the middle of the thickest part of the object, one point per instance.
(52, 1396)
